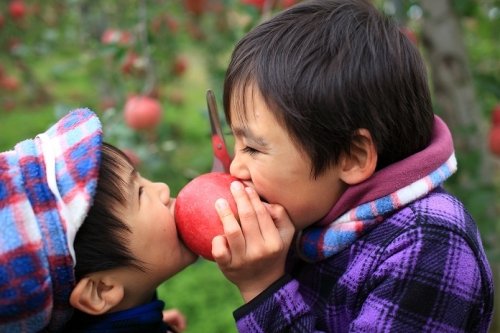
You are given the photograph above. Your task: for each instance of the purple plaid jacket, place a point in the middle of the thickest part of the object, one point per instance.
(422, 268)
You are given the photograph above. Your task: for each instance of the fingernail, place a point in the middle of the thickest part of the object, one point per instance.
(221, 204)
(236, 186)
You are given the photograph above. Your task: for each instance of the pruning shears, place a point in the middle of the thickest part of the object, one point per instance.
(222, 160)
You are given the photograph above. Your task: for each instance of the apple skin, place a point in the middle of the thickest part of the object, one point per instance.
(195, 214)
(17, 9)
(494, 140)
(142, 112)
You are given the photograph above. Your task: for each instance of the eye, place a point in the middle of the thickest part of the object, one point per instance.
(141, 189)
(250, 151)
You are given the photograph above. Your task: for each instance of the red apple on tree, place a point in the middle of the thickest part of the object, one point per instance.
(172, 24)
(494, 135)
(412, 36)
(197, 7)
(115, 36)
(195, 215)
(17, 9)
(287, 3)
(494, 140)
(9, 83)
(180, 65)
(133, 63)
(142, 112)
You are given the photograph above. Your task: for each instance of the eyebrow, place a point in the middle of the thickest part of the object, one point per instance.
(131, 184)
(249, 135)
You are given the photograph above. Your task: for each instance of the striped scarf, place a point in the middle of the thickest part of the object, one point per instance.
(323, 240)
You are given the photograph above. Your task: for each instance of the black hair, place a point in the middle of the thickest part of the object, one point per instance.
(101, 242)
(327, 68)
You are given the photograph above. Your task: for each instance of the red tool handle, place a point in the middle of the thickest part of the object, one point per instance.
(222, 160)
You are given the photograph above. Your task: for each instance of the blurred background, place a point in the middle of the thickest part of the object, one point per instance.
(144, 67)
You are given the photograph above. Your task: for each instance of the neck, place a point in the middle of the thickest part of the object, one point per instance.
(397, 175)
(138, 288)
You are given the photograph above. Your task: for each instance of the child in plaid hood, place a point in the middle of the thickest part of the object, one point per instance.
(81, 229)
(336, 139)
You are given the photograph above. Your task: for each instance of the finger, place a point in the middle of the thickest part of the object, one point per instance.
(220, 251)
(267, 229)
(246, 213)
(232, 230)
(282, 221)
(175, 318)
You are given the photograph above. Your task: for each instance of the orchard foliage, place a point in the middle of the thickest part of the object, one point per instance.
(128, 50)
(72, 53)
(147, 48)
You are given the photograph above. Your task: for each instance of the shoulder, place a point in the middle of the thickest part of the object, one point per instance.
(438, 214)
(440, 208)
(436, 235)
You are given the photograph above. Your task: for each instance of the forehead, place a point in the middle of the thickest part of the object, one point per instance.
(248, 105)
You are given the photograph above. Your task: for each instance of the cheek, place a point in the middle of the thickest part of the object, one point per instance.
(164, 227)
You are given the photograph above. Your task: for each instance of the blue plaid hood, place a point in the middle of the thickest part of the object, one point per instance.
(46, 189)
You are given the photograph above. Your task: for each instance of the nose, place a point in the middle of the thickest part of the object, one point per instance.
(163, 192)
(238, 167)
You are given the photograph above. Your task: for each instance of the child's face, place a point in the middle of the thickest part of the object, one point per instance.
(154, 239)
(266, 159)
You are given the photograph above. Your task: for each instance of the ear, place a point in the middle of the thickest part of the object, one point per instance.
(361, 163)
(96, 294)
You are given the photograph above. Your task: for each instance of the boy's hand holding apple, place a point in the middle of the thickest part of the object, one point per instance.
(252, 252)
(250, 245)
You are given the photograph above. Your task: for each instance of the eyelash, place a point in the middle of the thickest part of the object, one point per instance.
(250, 151)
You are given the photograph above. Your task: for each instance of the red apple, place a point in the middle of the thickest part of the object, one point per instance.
(142, 112)
(180, 65)
(495, 115)
(132, 63)
(287, 3)
(172, 24)
(9, 83)
(195, 215)
(197, 7)
(412, 36)
(494, 140)
(17, 9)
(115, 36)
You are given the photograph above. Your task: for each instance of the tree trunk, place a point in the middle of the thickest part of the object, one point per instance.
(456, 102)
(453, 85)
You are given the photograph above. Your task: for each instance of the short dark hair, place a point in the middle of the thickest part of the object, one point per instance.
(101, 242)
(326, 68)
